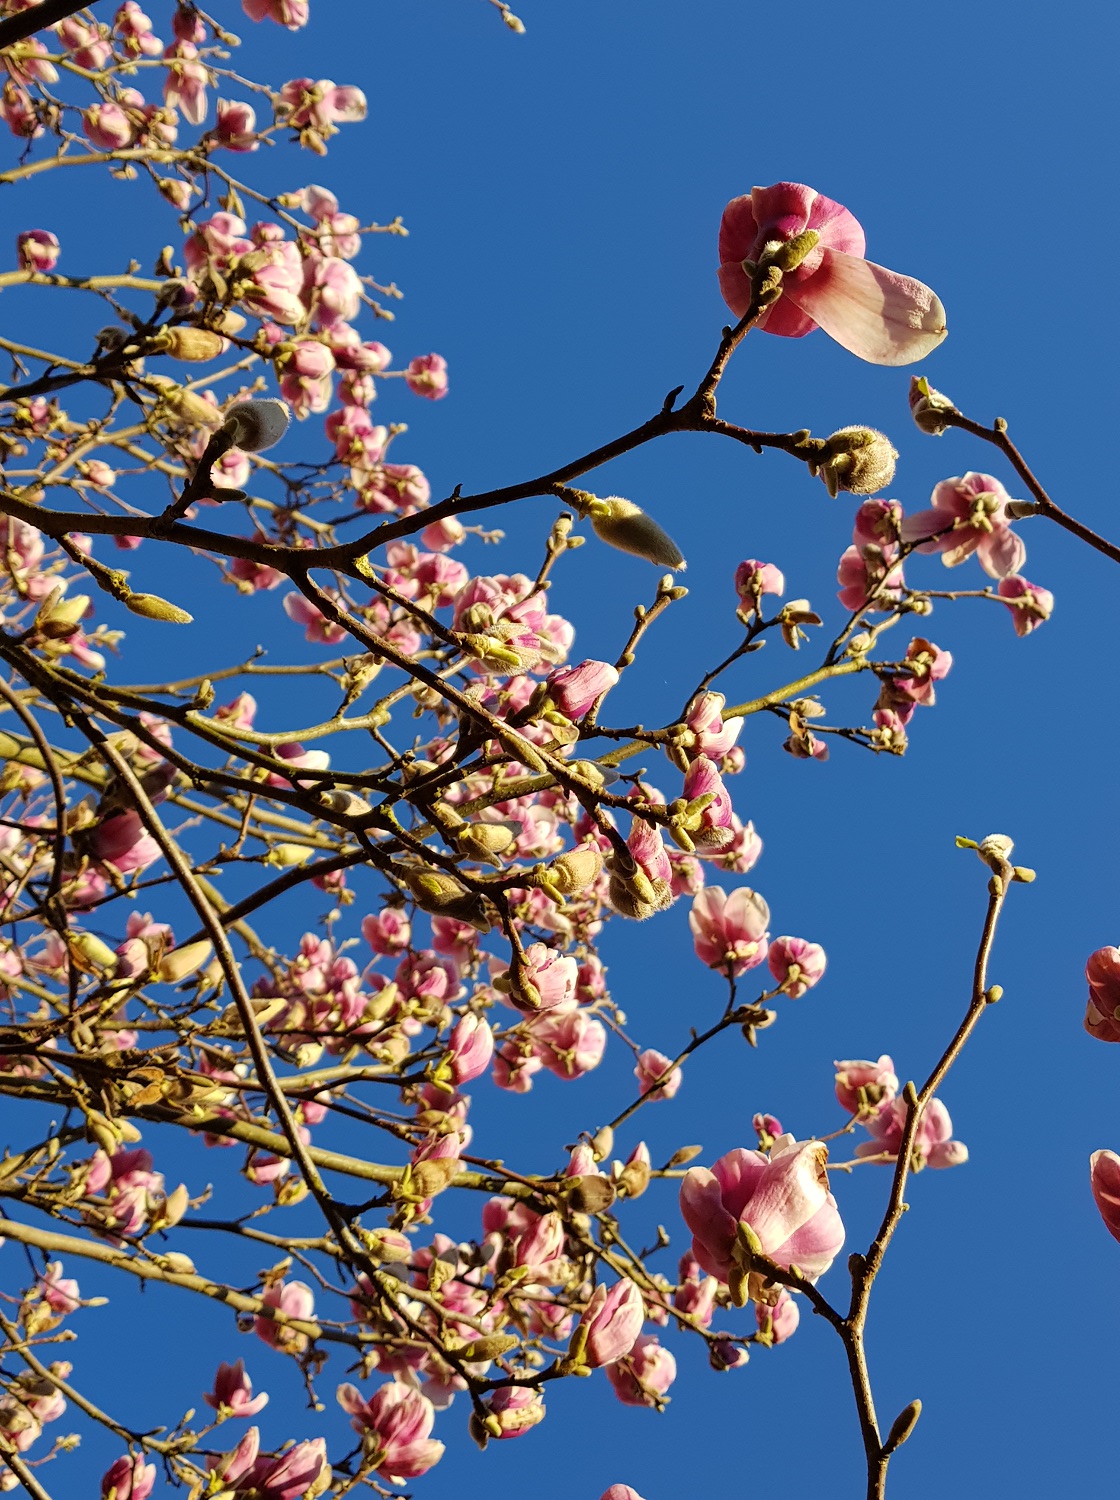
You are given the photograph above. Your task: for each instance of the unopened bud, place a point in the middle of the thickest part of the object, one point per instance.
(576, 869)
(181, 963)
(59, 618)
(624, 525)
(858, 459)
(152, 607)
(928, 407)
(489, 1346)
(431, 1176)
(90, 954)
(902, 1426)
(288, 856)
(193, 344)
(256, 425)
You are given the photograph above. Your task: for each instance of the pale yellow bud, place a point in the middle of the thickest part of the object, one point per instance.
(622, 524)
(152, 607)
(181, 963)
(192, 344)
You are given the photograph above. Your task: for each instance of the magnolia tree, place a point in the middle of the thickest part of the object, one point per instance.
(226, 411)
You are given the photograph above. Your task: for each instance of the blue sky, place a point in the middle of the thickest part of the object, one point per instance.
(563, 192)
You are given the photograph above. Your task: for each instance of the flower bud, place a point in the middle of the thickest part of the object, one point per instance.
(928, 406)
(576, 869)
(181, 963)
(192, 344)
(152, 607)
(256, 425)
(902, 1426)
(60, 618)
(858, 459)
(624, 525)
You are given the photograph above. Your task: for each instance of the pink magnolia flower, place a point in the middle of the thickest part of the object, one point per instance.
(642, 1377)
(753, 579)
(89, 46)
(426, 375)
(575, 689)
(780, 1321)
(729, 930)
(568, 1043)
(619, 1492)
(294, 1299)
(128, 1478)
(246, 1471)
(470, 1049)
(784, 1199)
(290, 13)
(108, 126)
(711, 733)
(927, 664)
(874, 313)
(37, 249)
(1030, 604)
(932, 1144)
(867, 574)
(517, 1409)
(396, 1422)
(233, 1392)
(970, 513)
(60, 1293)
(863, 1086)
(715, 828)
(124, 842)
(613, 1320)
(795, 964)
(388, 931)
(316, 108)
(236, 129)
(1102, 1015)
(186, 83)
(551, 974)
(1104, 1180)
(317, 627)
(331, 287)
(652, 1066)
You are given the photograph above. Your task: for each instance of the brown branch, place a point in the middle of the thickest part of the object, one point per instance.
(27, 22)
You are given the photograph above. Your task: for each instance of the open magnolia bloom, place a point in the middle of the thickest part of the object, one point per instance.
(877, 314)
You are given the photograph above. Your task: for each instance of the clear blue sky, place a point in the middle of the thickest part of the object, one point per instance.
(563, 192)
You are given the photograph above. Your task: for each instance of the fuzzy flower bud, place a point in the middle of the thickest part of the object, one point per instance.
(256, 425)
(928, 407)
(858, 459)
(624, 525)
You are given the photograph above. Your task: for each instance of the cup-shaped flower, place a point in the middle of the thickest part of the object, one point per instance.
(642, 1377)
(514, 1410)
(729, 930)
(877, 314)
(862, 1086)
(797, 965)
(1104, 1179)
(471, 1048)
(128, 1478)
(784, 1200)
(612, 1320)
(1030, 604)
(232, 1395)
(753, 579)
(395, 1425)
(657, 1078)
(575, 689)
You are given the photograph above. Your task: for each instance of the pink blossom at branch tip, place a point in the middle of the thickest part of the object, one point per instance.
(796, 964)
(711, 733)
(651, 1067)
(932, 1144)
(613, 1320)
(320, 106)
(870, 577)
(187, 78)
(874, 313)
(123, 842)
(970, 513)
(233, 1392)
(729, 930)
(246, 1471)
(927, 664)
(88, 46)
(784, 1199)
(1102, 1014)
(1104, 1180)
(1030, 604)
(569, 1043)
(753, 579)
(426, 375)
(877, 523)
(574, 689)
(396, 1423)
(470, 1049)
(37, 250)
(715, 829)
(290, 13)
(236, 126)
(768, 1128)
(642, 1377)
(620, 1492)
(294, 1299)
(61, 1294)
(128, 1478)
(517, 1409)
(862, 1086)
(780, 1321)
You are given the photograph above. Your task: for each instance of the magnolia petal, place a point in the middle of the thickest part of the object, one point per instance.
(927, 527)
(876, 314)
(1001, 553)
